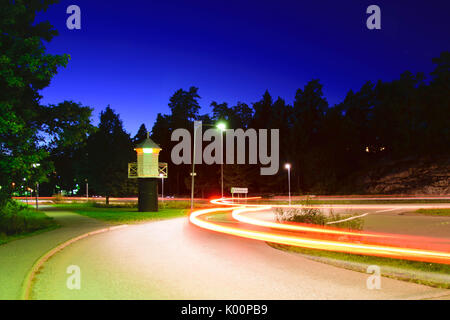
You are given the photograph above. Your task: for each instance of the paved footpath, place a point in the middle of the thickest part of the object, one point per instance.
(17, 257)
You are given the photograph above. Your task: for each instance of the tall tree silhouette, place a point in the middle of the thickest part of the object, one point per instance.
(110, 149)
(140, 135)
(309, 111)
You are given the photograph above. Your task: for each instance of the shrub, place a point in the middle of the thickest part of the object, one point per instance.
(17, 218)
(317, 217)
(353, 224)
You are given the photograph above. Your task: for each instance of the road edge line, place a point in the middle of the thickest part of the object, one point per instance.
(28, 281)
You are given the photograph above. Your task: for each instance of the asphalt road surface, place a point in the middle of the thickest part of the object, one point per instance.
(173, 259)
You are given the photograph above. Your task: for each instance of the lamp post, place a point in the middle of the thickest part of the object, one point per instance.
(222, 127)
(288, 167)
(193, 166)
(37, 195)
(87, 190)
(162, 187)
(36, 165)
(26, 190)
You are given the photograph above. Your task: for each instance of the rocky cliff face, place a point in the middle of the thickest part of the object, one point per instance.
(408, 176)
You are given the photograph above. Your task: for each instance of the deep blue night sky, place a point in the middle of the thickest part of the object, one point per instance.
(134, 55)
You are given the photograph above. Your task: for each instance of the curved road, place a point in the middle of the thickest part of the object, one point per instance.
(174, 259)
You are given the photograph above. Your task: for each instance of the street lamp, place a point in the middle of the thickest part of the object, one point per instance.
(222, 127)
(37, 165)
(162, 189)
(26, 190)
(87, 190)
(196, 123)
(288, 167)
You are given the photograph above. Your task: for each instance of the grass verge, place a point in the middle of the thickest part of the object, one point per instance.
(431, 274)
(18, 221)
(120, 214)
(435, 212)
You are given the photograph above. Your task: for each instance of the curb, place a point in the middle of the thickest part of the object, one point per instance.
(28, 281)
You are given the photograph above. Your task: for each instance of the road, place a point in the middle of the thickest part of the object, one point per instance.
(174, 259)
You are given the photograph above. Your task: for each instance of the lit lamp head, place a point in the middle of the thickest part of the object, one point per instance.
(147, 158)
(221, 126)
(287, 166)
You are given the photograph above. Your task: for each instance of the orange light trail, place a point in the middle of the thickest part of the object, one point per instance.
(317, 237)
(237, 214)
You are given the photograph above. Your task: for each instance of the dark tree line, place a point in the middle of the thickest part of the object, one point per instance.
(57, 146)
(326, 145)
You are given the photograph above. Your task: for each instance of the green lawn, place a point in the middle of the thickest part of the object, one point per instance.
(435, 212)
(5, 239)
(117, 214)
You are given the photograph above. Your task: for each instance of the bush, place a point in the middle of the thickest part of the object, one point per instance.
(303, 215)
(16, 218)
(353, 224)
(317, 217)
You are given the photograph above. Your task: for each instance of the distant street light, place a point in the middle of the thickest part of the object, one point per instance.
(36, 165)
(162, 189)
(26, 190)
(87, 190)
(288, 167)
(222, 127)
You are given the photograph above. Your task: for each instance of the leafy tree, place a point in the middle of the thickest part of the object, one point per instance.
(242, 116)
(436, 102)
(262, 112)
(221, 111)
(25, 69)
(184, 109)
(141, 135)
(309, 111)
(110, 149)
(68, 127)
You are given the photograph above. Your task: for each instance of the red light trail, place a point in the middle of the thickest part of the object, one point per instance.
(426, 249)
